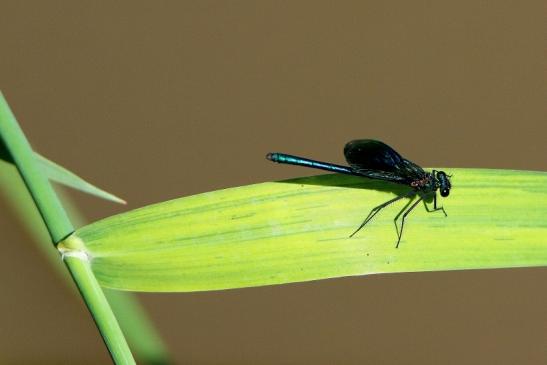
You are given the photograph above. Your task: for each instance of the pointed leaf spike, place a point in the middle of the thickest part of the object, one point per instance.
(63, 176)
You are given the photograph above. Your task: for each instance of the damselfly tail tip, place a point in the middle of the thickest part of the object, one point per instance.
(270, 156)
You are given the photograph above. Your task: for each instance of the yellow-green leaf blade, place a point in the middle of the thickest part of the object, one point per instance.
(298, 230)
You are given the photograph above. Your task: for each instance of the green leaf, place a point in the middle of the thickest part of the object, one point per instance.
(298, 230)
(61, 175)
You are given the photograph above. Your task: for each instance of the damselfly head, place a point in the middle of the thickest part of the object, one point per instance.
(444, 183)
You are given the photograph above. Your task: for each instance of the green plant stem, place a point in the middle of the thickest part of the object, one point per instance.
(46, 200)
(143, 338)
(59, 227)
(98, 305)
(138, 328)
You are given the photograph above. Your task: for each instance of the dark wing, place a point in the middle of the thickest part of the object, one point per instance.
(377, 160)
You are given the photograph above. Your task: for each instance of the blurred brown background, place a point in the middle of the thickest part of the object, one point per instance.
(157, 100)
